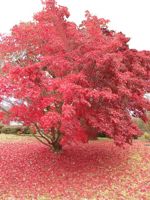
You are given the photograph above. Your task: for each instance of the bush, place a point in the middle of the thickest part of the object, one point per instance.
(15, 130)
(10, 129)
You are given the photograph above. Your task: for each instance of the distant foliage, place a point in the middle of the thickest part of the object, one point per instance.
(144, 126)
(14, 129)
(73, 81)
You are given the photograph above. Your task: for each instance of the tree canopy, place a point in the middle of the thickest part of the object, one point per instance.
(73, 81)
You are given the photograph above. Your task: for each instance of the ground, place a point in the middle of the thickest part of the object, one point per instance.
(95, 171)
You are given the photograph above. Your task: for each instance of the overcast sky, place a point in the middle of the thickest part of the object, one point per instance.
(132, 17)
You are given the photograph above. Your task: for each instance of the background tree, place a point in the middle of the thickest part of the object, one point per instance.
(73, 81)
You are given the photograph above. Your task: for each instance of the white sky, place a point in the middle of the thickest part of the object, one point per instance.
(132, 17)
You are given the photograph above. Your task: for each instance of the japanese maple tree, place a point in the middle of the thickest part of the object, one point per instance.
(73, 81)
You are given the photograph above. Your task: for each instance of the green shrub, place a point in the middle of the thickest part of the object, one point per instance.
(10, 129)
(15, 130)
(26, 130)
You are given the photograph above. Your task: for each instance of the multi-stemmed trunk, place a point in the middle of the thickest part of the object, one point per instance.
(51, 140)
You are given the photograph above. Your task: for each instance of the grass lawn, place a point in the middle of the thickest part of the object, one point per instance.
(10, 138)
(95, 171)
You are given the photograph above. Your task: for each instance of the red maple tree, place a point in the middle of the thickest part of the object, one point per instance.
(73, 81)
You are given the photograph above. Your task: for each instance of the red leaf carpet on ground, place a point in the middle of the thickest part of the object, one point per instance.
(97, 170)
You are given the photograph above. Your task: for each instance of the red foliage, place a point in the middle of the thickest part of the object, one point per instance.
(72, 79)
(92, 171)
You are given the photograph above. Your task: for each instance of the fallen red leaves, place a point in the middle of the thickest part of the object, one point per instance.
(98, 170)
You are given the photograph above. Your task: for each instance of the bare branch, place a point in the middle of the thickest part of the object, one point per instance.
(4, 110)
(40, 140)
(42, 135)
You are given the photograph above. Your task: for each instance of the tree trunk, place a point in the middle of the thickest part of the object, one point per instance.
(56, 147)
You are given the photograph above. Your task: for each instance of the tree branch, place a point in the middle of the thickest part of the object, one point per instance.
(4, 110)
(40, 139)
(42, 135)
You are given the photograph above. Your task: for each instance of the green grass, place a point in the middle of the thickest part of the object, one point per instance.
(15, 138)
